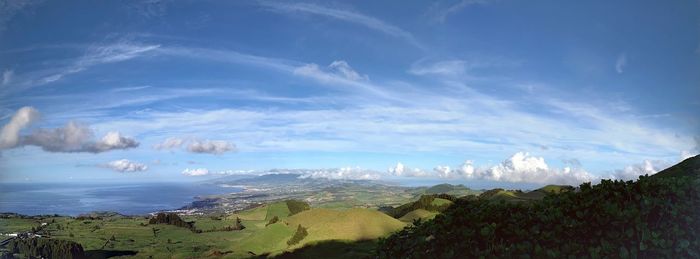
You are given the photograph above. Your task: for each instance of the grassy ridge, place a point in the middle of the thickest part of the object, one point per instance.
(351, 224)
(418, 214)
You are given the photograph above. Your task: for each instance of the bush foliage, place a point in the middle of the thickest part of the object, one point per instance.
(296, 206)
(46, 248)
(299, 235)
(649, 218)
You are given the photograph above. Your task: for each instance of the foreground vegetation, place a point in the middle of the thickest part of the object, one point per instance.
(650, 218)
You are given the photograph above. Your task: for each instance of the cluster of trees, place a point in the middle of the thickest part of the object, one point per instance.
(654, 217)
(45, 248)
(299, 235)
(171, 219)
(273, 220)
(424, 202)
(296, 206)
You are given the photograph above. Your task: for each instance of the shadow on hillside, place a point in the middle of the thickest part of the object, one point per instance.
(95, 254)
(330, 249)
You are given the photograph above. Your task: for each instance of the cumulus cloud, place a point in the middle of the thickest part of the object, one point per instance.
(620, 63)
(632, 172)
(75, 137)
(345, 173)
(170, 143)
(124, 165)
(195, 172)
(9, 136)
(210, 146)
(401, 170)
(521, 167)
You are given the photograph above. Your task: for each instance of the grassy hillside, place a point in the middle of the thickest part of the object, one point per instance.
(269, 239)
(445, 188)
(278, 209)
(418, 214)
(434, 203)
(688, 167)
(352, 224)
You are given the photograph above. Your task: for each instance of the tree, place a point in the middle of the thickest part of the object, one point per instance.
(273, 220)
(299, 235)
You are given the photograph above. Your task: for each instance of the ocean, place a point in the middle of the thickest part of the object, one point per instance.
(75, 199)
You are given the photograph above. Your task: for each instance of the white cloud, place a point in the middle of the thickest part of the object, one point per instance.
(7, 76)
(339, 73)
(632, 172)
(124, 165)
(519, 168)
(9, 136)
(345, 173)
(210, 146)
(343, 15)
(74, 137)
(195, 172)
(401, 170)
(197, 146)
(170, 143)
(620, 63)
(340, 67)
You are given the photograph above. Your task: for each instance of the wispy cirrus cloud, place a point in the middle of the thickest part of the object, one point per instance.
(95, 55)
(441, 10)
(10, 8)
(343, 15)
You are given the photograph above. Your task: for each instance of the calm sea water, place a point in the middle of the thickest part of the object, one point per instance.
(75, 199)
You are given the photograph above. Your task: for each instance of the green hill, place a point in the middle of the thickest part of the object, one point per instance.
(434, 203)
(418, 214)
(352, 224)
(445, 188)
(688, 167)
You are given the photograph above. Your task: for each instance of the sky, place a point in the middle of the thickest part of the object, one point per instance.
(425, 91)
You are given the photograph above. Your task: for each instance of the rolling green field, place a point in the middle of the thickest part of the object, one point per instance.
(125, 233)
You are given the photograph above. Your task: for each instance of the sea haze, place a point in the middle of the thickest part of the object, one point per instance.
(75, 199)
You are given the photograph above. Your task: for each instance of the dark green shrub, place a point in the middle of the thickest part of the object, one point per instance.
(296, 206)
(273, 220)
(649, 218)
(46, 248)
(299, 235)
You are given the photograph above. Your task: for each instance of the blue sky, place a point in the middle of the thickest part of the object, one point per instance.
(453, 91)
